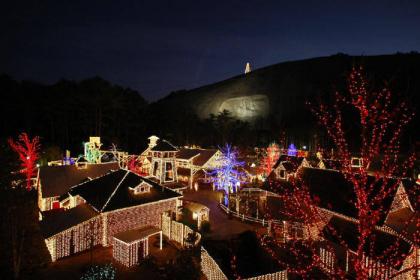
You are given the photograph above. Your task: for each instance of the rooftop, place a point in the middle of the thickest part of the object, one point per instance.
(295, 161)
(404, 221)
(199, 156)
(57, 180)
(57, 220)
(133, 235)
(113, 191)
(164, 146)
(334, 192)
(339, 230)
(289, 166)
(195, 206)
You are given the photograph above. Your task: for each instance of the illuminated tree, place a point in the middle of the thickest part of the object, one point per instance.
(134, 165)
(28, 151)
(381, 119)
(292, 151)
(227, 176)
(92, 152)
(270, 158)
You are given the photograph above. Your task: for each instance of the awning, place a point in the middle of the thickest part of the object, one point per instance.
(133, 235)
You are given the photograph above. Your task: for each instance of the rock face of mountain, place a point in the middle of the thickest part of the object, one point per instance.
(279, 92)
(245, 108)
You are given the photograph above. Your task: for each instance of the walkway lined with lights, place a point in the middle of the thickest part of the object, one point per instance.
(221, 226)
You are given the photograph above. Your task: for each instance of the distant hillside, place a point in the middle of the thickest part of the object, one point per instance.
(270, 101)
(278, 92)
(67, 112)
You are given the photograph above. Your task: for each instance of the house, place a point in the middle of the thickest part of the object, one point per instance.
(177, 167)
(72, 231)
(98, 210)
(325, 163)
(145, 158)
(193, 165)
(163, 170)
(335, 197)
(54, 181)
(251, 173)
(256, 167)
(336, 202)
(404, 213)
(287, 167)
(163, 162)
(199, 212)
(339, 230)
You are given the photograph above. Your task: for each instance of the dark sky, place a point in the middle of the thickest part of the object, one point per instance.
(156, 47)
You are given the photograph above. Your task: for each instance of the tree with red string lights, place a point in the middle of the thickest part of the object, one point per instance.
(28, 151)
(381, 121)
(135, 166)
(271, 155)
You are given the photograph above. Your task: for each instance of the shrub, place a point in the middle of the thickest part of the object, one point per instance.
(205, 227)
(100, 272)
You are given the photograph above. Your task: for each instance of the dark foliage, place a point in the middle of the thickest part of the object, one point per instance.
(23, 248)
(185, 267)
(251, 258)
(9, 164)
(205, 227)
(66, 113)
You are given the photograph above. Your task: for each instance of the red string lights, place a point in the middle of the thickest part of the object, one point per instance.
(381, 119)
(28, 151)
(271, 155)
(134, 165)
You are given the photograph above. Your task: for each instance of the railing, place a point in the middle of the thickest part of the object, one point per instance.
(243, 217)
(252, 190)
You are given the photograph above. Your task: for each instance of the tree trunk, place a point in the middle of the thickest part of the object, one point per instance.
(17, 250)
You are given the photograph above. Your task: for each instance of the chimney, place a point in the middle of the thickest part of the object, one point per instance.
(153, 141)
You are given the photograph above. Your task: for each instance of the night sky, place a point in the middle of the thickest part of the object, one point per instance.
(158, 48)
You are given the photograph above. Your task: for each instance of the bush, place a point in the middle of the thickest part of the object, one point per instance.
(150, 263)
(185, 267)
(100, 272)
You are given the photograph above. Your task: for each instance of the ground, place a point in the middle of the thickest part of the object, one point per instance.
(229, 231)
(222, 227)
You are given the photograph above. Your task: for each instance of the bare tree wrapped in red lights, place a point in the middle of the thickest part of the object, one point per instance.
(364, 225)
(28, 151)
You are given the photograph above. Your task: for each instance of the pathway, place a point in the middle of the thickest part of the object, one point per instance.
(221, 226)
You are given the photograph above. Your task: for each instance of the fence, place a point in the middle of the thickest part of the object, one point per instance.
(177, 231)
(243, 217)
